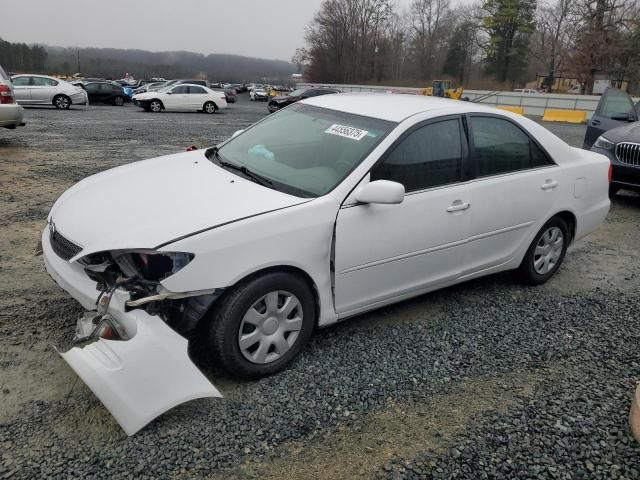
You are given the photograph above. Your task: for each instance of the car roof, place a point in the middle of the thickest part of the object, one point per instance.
(395, 108)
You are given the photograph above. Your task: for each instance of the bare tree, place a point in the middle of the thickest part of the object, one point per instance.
(556, 26)
(428, 33)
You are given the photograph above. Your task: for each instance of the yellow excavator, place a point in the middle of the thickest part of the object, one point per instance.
(442, 89)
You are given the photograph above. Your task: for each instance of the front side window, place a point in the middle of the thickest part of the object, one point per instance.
(502, 147)
(428, 157)
(616, 103)
(21, 81)
(305, 150)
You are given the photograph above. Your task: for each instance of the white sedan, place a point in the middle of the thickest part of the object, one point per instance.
(44, 90)
(183, 97)
(330, 208)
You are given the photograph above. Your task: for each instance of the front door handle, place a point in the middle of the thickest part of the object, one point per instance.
(549, 185)
(595, 122)
(458, 206)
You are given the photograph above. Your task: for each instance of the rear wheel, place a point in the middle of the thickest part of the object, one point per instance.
(546, 252)
(210, 107)
(62, 102)
(261, 325)
(118, 101)
(155, 106)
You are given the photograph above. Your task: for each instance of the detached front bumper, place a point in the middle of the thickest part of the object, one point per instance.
(137, 379)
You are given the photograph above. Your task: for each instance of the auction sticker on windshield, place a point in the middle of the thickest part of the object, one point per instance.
(347, 132)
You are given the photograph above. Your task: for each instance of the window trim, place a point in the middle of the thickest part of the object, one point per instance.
(464, 151)
(473, 162)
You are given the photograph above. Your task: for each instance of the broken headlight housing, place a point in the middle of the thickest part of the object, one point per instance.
(147, 265)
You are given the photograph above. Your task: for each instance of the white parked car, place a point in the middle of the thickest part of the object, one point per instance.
(334, 206)
(258, 94)
(11, 113)
(44, 90)
(182, 97)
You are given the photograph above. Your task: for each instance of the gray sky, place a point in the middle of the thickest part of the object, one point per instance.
(257, 28)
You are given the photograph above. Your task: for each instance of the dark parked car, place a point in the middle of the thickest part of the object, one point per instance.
(106, 92)
(614, 131)
(276, 103)
(231, 95)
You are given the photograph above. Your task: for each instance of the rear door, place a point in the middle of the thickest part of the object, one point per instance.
(614, 110)
(22, 89)
(197, 97)
(43, 90)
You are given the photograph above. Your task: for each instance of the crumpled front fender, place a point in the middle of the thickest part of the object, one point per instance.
(139, 379)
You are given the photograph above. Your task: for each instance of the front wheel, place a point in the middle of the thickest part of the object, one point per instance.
(62, 102)
(155, 106)
(118, 101)
(546, 252)
(210, 107)
(261, 325)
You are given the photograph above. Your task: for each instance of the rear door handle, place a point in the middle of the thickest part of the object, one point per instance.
(458, 206)
(549, 185)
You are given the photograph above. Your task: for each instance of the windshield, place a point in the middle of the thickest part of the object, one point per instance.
(305, 150)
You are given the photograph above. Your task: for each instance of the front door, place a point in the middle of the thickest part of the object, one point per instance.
(384, 252)
(22, 89)
(516, 185)
(197, 97)
(177, 98)
(614, 110)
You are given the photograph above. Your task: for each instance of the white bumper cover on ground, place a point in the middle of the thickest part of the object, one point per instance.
(141, 378)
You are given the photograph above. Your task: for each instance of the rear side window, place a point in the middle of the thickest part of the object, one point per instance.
(180, 89)
(428, 157)
(43, 82)
(502, 147)
(197, 90)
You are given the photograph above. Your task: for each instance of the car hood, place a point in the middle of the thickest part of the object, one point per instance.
(153, 202)
(626, 133)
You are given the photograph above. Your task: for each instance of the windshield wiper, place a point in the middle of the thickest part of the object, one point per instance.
(256, 177)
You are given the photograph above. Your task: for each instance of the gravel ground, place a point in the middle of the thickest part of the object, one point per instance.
(484, 380)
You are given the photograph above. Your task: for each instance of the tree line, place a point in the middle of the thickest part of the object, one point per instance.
(487, 43)
(114, 63)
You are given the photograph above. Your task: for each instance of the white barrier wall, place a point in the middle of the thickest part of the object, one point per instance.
(533, 104)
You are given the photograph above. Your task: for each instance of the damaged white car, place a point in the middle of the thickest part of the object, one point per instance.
(329, 208)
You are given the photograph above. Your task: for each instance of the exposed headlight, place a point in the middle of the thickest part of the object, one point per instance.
(603, 143)
(146, 264)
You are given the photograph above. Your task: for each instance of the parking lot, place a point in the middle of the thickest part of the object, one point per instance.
(488, 379)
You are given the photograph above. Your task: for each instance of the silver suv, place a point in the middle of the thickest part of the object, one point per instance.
(10, 112)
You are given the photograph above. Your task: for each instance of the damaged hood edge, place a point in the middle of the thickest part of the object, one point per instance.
(152, 203)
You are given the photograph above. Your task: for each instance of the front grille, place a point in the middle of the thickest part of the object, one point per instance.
(629, 153)
(63, 247)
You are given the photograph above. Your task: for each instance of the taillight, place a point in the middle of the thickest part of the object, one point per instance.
(6, 95)
(610, 172)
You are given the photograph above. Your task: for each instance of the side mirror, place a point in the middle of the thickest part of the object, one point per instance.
(236, 133)
(169, 92)
(381, 191)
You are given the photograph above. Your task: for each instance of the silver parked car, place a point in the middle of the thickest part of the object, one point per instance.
(44, 90)
(10, 112)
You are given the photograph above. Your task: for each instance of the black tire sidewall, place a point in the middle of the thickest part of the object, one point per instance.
(226, 317)
(210, 103)
(527, 270)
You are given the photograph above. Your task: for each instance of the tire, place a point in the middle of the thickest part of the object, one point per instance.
(118, 101)
(61, 102)
(210, 108)
(155, 105)
(545, 254)
(243, 313)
